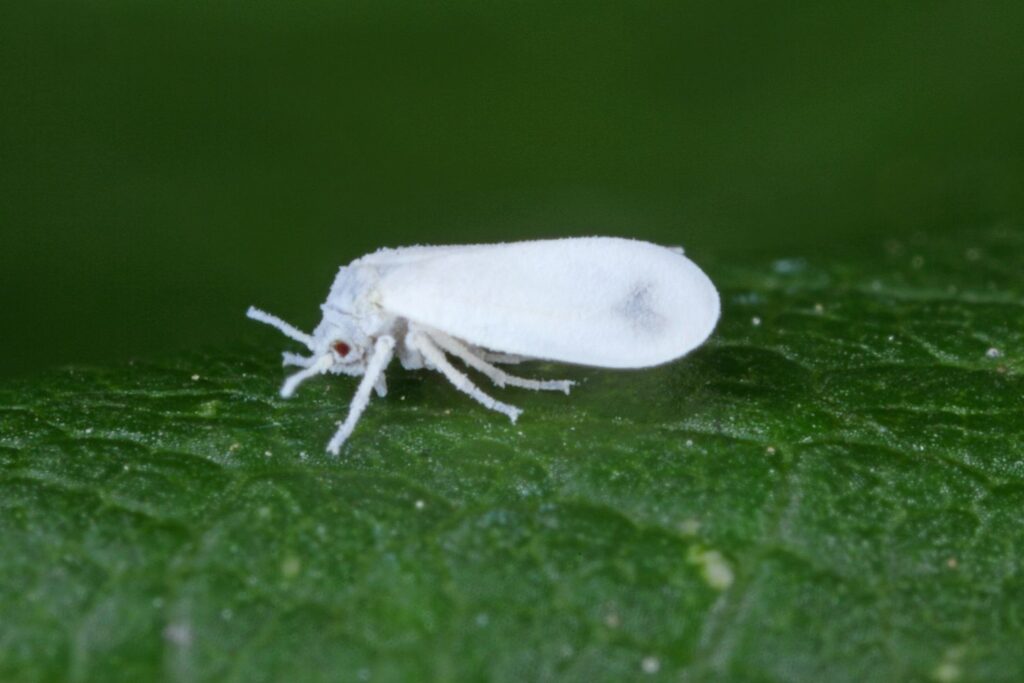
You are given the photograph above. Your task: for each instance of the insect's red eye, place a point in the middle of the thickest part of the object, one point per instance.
(342, 348)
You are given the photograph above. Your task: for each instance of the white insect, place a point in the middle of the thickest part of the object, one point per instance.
(598, 301)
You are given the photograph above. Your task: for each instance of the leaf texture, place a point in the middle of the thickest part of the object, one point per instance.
(831, 489)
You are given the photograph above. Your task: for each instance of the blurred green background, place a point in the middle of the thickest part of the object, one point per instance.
(163, 164)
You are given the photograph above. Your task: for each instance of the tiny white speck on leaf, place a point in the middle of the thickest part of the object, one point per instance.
(195, 378)
(819, 309)
(208, 408)
(291, 567)
(179, 634)
(689, 527)
(948, 669)
(789, 266)
(946, 672)
(994, 353)
(420, 505)
(770, 450)
(650, 665)
(713, 567)
(755, 321)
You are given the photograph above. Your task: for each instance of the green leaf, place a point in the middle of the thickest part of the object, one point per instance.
(832, 489)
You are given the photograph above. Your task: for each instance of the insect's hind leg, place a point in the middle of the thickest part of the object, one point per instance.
(497, 375)
(421, 342)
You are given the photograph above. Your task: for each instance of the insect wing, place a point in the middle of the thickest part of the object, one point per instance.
(392, 257)
(605, 302)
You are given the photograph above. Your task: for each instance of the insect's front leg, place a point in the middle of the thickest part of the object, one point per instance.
(289, 358)
(383, 349)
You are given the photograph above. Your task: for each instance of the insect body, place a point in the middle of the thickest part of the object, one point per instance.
(598, 301)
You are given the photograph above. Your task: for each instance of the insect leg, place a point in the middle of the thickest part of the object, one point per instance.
(321, 365)
(383, 349)
(436, 357)
(289, 331)
(289, 358)
(496, 375)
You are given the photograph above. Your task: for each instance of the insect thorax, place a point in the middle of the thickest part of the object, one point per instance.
(349, 313)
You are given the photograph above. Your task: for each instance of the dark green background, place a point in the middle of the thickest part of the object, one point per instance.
(165, 164)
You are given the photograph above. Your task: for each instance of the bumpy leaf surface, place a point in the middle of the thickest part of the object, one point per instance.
(832, 489)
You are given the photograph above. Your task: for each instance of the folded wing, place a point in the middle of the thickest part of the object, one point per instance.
(599, 301)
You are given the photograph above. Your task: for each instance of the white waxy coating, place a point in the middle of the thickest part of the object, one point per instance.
(598, 301)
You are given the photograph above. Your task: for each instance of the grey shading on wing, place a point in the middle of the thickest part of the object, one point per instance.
(605, 302)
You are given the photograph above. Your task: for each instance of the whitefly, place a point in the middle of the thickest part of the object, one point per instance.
(598, 301)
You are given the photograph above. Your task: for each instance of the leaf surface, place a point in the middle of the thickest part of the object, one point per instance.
(831, 489)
